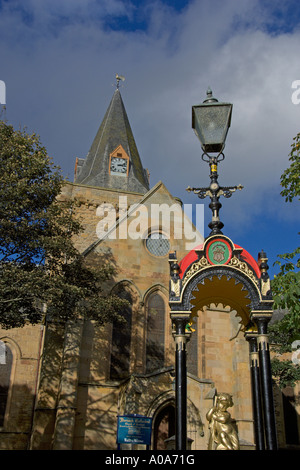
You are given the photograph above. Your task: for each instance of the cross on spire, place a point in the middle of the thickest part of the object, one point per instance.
(119, 77)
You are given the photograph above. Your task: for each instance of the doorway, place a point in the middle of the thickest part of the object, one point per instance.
(164, 427)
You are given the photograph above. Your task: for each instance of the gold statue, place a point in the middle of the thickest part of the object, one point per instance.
(223, 435)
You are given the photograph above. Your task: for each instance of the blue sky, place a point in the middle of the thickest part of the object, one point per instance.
(58, 59)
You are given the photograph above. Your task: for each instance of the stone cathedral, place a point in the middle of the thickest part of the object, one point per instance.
(63, 387)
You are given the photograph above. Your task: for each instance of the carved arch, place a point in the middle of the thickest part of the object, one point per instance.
(222, 285)
(16, 350)
(123, 283)
(218, 272)
(156, 288)
(7, 380)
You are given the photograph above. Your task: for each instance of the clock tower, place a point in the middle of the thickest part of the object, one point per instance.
(119, 162)
(113, 161)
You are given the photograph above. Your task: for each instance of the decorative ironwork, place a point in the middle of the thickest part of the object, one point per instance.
(118, 78)
(214, 191)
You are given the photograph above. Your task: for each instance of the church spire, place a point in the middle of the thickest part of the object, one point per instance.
(113, 160)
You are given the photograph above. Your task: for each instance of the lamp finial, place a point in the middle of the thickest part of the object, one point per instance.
(209, 97)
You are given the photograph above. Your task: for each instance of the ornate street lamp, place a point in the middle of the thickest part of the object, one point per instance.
(211, 121)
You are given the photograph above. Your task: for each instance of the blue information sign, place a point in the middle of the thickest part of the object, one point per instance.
(134, 429)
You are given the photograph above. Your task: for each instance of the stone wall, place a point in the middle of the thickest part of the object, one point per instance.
(26, 345)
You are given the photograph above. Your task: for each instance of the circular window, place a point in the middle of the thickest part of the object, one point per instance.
(158, 244)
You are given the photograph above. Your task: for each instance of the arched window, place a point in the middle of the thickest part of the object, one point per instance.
(155, 333)
(121, 340)
(6, 360)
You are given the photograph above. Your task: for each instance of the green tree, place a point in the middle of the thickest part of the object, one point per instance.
(290, 178)
(39, 264)
(286, 284)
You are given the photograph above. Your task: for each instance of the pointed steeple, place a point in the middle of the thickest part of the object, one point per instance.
(113, 160)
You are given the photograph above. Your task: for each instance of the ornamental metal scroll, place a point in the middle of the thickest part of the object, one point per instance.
(211, 262)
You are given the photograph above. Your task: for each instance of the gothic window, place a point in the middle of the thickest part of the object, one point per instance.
(6, 360)
(155, 334)
(121, 341)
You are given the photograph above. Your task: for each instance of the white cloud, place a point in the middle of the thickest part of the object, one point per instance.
(59, 59)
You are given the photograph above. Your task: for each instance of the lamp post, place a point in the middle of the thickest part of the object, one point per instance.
(211, 121)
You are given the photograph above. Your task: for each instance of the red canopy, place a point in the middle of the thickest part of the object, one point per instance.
(192, 256)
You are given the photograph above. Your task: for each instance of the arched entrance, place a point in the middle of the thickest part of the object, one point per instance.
(221, 272)
(164, 427)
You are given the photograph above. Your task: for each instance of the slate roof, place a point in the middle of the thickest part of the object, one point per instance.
(114, 130)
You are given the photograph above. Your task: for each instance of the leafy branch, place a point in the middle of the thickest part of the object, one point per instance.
(39, 264)
(286, 284)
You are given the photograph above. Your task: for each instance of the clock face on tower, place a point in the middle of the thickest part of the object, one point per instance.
(118, 166)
